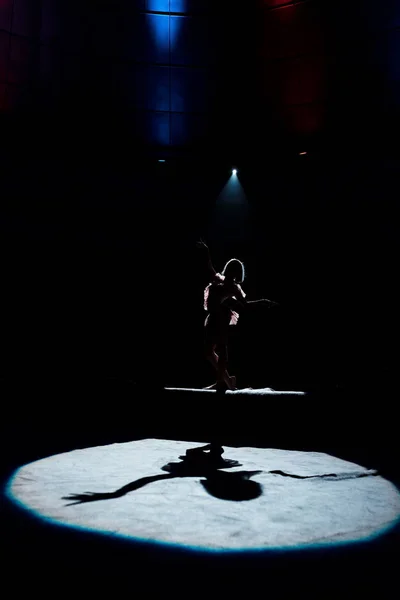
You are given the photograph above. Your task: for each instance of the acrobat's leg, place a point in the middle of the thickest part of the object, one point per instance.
(222, 371)
(211, 355)
(213, 386)
(223, 376)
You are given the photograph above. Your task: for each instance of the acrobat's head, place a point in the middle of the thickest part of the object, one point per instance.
(234, 270)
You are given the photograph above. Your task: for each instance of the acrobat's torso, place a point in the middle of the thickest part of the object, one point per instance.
(216, 302)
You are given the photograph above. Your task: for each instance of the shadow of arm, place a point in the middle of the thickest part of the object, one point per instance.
(130, 487)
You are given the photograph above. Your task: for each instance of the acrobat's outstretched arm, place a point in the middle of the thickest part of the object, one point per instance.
(203, 246)
(264, 301)
(241, 302)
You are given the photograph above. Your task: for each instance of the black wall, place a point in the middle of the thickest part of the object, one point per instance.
(221, 77)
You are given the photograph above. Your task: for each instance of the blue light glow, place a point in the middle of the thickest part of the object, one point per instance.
(175, 26)
(160, 128)
(179, 6)
(162, 37)
(174, 6)
(158, 5)
(164, 31)
(159, 25)
(157, 82)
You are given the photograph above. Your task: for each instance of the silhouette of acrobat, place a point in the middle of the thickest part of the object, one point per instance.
(197, 462)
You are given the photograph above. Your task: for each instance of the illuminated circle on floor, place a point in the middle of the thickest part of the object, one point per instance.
(306, 498)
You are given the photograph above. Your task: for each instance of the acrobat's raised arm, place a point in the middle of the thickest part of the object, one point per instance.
(202, 246)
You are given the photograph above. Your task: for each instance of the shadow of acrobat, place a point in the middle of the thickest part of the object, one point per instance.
(198, 462)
